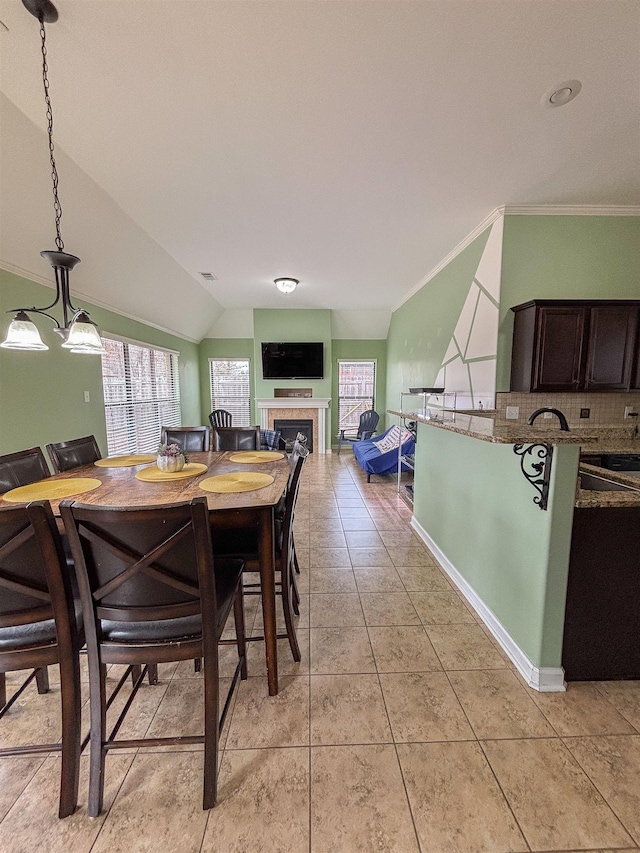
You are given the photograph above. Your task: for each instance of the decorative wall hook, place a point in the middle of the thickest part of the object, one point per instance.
(535, 464)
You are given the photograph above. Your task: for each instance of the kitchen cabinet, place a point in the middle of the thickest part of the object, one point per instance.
(613, 330)
(574, 345)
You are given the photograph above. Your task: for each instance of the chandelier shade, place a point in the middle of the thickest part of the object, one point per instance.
(23, 334)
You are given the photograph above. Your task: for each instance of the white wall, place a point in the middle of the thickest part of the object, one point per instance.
(122, 267)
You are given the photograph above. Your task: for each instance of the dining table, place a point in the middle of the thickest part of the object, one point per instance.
(119, 487)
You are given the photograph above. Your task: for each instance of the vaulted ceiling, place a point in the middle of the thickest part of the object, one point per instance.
(351, 145)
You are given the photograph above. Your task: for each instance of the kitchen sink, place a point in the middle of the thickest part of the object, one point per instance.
(592, 482)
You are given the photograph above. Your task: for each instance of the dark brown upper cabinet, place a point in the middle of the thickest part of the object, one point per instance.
(571, 345)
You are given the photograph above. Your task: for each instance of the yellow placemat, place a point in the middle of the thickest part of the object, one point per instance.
(238, 481)
(153, 474)
(125, 461)
(249, 456)
(52, 490)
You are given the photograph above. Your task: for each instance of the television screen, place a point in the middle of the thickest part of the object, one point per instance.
(292, 361)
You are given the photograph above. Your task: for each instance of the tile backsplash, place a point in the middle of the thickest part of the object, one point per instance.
(604, 409)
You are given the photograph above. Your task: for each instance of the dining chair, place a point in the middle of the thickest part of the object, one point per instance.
(22, 468)
(151, 593)
(40, 625)
(220, 418)
(194, 439)
(242, 543)
(236, 438)
(366, 428)
(66, 455)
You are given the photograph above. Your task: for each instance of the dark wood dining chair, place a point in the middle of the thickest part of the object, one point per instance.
(190, 439)
(66, 455)
(151, 593)
(236, 438)
(242, 543)
(22, 468)
(220, 418)
(40, 626)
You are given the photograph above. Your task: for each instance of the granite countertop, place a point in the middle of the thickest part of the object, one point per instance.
(590, 498)
(488, 427)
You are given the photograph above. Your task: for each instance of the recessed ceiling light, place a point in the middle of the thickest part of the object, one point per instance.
(562, 93)
(286, 285)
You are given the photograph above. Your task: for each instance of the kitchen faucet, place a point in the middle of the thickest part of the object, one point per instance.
(564, 426)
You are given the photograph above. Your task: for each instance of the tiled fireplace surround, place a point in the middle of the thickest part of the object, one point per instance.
(297, 408)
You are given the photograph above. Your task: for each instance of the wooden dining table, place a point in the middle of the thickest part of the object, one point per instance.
(254, 509)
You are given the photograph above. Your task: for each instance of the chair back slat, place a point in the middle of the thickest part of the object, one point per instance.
(368, 423)
(22, 468)
(220, 418)
(195, 439)
(293, 488)
(139, 564)
(26, 588)
(23, 578)
(236, 438)
(66, 455)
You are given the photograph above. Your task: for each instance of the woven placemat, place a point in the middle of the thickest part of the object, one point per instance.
(52, 490)
(248, 457)
(126, 461)
(153, 474)
(237, 481)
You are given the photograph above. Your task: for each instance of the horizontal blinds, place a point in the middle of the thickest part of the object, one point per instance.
(356, 385)
(141, 395)
(230, 388)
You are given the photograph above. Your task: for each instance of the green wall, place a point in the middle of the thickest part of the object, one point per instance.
(343, 350)
(472, 499)
(42, 393)
(564, 257)
(421, 329)
(294, 324)
(223, 348)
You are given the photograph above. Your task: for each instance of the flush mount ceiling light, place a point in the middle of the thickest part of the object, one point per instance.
(286, 285)
(562, 93)
(79, 334)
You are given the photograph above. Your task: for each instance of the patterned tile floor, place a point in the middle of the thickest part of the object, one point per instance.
(403, 729)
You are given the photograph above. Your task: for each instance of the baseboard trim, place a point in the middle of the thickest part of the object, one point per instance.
(546, 679)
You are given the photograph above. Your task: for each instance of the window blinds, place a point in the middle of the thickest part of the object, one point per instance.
(141, 395)
(356, 384)
(230, 388)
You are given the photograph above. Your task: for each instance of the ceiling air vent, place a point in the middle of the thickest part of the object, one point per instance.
(209, 276)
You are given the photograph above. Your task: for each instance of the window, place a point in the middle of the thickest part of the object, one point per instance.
(230, 388)
(356, 385)
(141, 394)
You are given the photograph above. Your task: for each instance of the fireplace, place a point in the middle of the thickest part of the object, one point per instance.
(286, 409)
(289, 428)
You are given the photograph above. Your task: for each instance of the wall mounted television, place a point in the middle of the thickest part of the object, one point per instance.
(293, 360)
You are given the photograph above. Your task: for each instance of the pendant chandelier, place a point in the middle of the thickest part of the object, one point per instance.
(79, 334)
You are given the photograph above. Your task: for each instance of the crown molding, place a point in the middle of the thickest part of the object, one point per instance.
(520, 210)
(570, 210)
(38, 279)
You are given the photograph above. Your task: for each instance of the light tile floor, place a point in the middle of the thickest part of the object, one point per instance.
(404, 728)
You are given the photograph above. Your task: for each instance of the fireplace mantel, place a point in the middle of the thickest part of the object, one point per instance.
(319, 404)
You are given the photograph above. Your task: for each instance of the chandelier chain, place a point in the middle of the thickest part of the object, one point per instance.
(54, 171)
